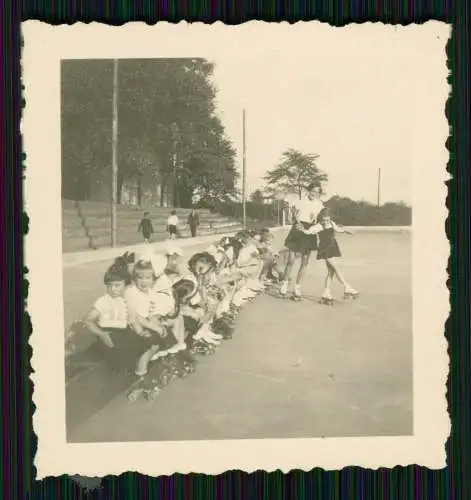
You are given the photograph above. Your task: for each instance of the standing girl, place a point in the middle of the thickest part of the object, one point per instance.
(329, 251)
(172, 225)
(298, 242)
(145, 226)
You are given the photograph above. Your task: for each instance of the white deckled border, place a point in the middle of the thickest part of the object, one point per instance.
(44, 47)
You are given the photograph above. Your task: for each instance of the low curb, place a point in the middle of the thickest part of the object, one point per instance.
(90, 256)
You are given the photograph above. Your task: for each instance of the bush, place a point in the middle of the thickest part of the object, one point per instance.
(361, 213)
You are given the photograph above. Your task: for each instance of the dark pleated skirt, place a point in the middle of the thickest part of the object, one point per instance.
(299, 242)
(328, 251)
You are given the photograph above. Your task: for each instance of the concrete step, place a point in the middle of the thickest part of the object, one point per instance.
(80, 242)
(97, 231)
(71, 220)
(89, 208)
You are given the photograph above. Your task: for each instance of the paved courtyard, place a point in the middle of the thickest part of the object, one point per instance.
(291, 370)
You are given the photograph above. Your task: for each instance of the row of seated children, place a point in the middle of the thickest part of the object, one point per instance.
(159, 312)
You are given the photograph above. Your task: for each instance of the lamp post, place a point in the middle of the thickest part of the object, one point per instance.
(114, 159)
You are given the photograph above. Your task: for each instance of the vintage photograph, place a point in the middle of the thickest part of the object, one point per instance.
(272, 298)
(242, 242)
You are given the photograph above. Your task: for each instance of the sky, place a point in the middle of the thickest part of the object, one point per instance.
(347, 107)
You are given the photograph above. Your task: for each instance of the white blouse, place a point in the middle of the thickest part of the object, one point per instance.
(113, 312)
(307, 210)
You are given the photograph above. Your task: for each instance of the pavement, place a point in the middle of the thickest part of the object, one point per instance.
(292, 370)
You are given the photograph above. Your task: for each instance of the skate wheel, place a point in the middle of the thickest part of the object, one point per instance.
(152, 394)
(134, 395)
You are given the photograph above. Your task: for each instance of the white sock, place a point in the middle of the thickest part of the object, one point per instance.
(284, 287)
(297, 289)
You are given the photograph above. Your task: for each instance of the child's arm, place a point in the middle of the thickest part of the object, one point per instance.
(153, 325)
(91, 322)
(340, 229)
(315, 229)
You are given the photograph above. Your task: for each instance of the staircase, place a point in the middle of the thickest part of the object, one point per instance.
(87, 225)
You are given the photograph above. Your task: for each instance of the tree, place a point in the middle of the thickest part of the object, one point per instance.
(174, 102)
(257, 197)
(295, 174)
(167, 127)
(86, 103)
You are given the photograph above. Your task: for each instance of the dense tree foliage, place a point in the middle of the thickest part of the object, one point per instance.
(295, 174)
(361, 213)
(167, 126)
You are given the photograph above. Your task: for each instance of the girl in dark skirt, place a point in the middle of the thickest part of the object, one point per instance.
(329, 251)
(300, 243)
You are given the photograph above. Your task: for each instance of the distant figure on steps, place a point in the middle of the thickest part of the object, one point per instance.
(172, 225)
(193, 221)
(145, 227)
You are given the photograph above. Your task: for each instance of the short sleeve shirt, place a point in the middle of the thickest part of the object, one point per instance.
(172, 220)
(138, 302)
(308, 210)
(162, 301)
(113, 312)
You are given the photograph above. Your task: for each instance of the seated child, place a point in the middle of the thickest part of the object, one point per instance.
(108, 320)
(269, 271)
(147, 299)
(202, 266)
(185, 291)
(175, 266)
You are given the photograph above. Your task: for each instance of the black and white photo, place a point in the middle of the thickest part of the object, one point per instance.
(237, 249)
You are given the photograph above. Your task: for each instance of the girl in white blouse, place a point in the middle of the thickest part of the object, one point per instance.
(299, 243)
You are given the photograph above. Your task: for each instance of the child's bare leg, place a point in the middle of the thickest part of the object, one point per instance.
(334, 265)
(287, 273)
(302, 268)
(143, 361)
(179, 329)
(328, 281)
(268, 262)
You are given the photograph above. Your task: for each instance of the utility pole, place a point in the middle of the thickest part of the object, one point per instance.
(379, 187)
(114, 161)
(244, 172)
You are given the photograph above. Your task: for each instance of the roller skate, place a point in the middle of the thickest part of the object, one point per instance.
(283, 289)
(188, 362)
(173, 367)
(152, 393)
(202, 348)
(351, 293)
(161, 373)
(297, 297)
(222, 326)
(326, 299)
(150, 388)
(234, 310)
(137, 389)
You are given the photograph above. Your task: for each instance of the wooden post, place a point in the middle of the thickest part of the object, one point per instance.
(379, 187)
(114, 161)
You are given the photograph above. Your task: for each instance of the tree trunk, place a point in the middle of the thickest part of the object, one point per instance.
(139, 190)
(162, 192)
(120, 188)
